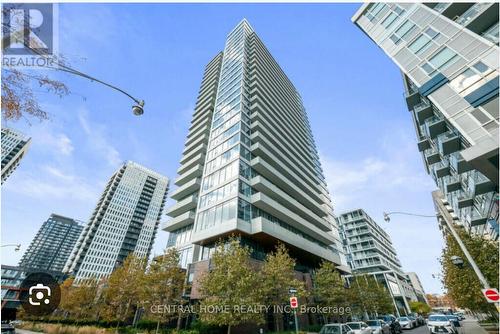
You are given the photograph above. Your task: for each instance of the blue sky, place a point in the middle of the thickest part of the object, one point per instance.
(157, 52)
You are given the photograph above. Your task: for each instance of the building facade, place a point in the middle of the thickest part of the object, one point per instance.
(250, 165)
(369, 251)
(418, 287)
(124, 221)
(14, 147)
(52, 245)
(448, 55)
(12, 277)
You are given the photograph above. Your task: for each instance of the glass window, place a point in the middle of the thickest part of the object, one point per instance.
(443, 58)
(389, 20)
(464, 80)
(431, 33)
(419, 45)
(481, 67)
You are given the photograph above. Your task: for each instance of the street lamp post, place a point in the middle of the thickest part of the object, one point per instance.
(456, 260)
(137, 109)
(18, 246)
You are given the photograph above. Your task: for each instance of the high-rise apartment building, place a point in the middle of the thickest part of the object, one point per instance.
(418, 287)
(52, 245)
(250, 165)
(448, 54)
(369, 251)
(124, 221)
(14, 147)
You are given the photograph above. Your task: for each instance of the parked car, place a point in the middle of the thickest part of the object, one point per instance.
(413, 320)
(7, 328)
(359, 327)
(439, 323)
(336, 329)
(460, 315)
(393, 322)
(379, 326)
(405, 322)
(455, 321)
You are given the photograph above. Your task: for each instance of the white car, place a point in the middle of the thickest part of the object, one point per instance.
(379, 326)
(336, 329)
(405, 322)
(360, 327)
(439, 324)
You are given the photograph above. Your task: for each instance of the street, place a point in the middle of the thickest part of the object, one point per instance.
(469, 326)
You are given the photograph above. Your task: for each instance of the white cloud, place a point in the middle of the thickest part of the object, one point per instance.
(393, 169)
(51, 182)
(52, 140)
(96, 137)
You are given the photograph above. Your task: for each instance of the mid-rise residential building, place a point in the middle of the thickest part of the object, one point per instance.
(448, 54)
(124, 221)
(12, 277)
(418, 287)
(369, 251)
(52, 245)
(250, 165)
(14, 147)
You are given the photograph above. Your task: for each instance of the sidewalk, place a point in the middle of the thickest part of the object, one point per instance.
(471, 326)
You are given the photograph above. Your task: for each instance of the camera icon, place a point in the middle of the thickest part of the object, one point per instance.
(38, 294)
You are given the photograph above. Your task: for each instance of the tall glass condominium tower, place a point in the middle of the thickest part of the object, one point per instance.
(52, 245)
(124, 221)
(14, 147)
(448, 54)
(250, 165)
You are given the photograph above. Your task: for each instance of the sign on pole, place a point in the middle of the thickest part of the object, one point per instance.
(491, 295)
(294, 303)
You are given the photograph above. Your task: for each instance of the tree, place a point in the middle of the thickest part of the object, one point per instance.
(277, 277)
(18, 98)
(124, 289)
(329, 287)
(462, 284)
(164, 283)
(420, 308)
(79, 301)
(381, 302)
(369, 296)
(231, 281)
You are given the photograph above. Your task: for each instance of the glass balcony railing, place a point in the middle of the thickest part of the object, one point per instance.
(492, 33)
(441, 6)
(472, 13)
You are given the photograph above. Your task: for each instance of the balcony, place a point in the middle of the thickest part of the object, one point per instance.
(432, 156)
(453, 184)
(465, 202)
(185, 219)
(492, 33)
(423, 144)
(449, 143)
(442, 170)
(479, 17)
(459, 164)
(186, 189)
(435, 127)
(188, 175)
(423, 111)
(412, 98)
(482, 185)
(180, 207)
(478, 218)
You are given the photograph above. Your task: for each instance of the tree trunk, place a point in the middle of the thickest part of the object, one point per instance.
(179, 322)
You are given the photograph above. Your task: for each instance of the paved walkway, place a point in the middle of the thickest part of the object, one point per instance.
(471, 326)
